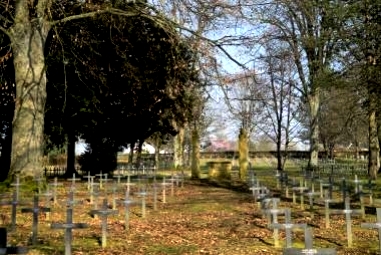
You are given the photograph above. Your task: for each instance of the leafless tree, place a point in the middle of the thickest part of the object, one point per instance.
(280, 101)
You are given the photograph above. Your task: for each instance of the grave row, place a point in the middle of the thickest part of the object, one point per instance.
(97, 187)
(271, 210)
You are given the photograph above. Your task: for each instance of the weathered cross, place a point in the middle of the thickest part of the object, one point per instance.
(68, 226)
(35, 211)
(288, 226)
(348, 212)
(127, 202)
(17, 185)
(308, 247)
(55, 185)
(376, 225)
(103, 214)
(14, 204)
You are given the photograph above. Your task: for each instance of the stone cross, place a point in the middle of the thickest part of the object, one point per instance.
(14, 204)
(73, 180)
(172, 182)
(103, 214)
(270, 204)
(311, 195)
(48, 196)
(275, 213)
(129, 183)
(301, 189)
(348, 212)
(357, 183)
(258, 191)
(39, 179)
(35, 211)
(288, 227)
(308, 247)
(71, 202)
(88, 177)
(17, 185)
(327, 200)
(164, 183)
(328, 185)
(55, 184)
(68, 226)
(4, 249)
(155, 191)
(101, 180)
(118, 177)
(127, 202)
(376, 225)
(143, 193)
(92, 190)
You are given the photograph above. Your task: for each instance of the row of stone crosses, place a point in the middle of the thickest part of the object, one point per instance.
(306, 189)
(97, 187)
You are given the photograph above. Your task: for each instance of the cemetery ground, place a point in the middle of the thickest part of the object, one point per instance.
(198, 217)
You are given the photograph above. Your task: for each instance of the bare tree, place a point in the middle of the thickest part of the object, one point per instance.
(310, 30)
(280, 101)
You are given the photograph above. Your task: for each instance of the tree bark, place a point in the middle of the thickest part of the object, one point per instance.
(374, 149)
(178, 152)
(243, 151)
(279, 149)
(314, 102)
(195, 153)
(28, 40)
(157, 153)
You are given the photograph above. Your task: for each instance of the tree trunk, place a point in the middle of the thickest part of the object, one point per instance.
(357, 150)
(279, 152)
(28, 123)
(195, 153)
(374, 149)
(70, 162)
(178, 152)
(243, 152)
(139, 155)
(131, 155)
(157, 153)
(314, 102)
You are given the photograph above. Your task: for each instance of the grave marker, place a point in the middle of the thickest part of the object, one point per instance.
(35, 211)
(288, 227)
(73, 180)
(88, 177)
(348, 211)
(127, 202)
(68, 226)
(103, 214)
(17, 185)
(164, 183)
(14, 204)
(274, 213)
(301, 189)
(308, 247)
(376, 225)
(143, 193)
(55, 184)
(48, 196)
(311, 195)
